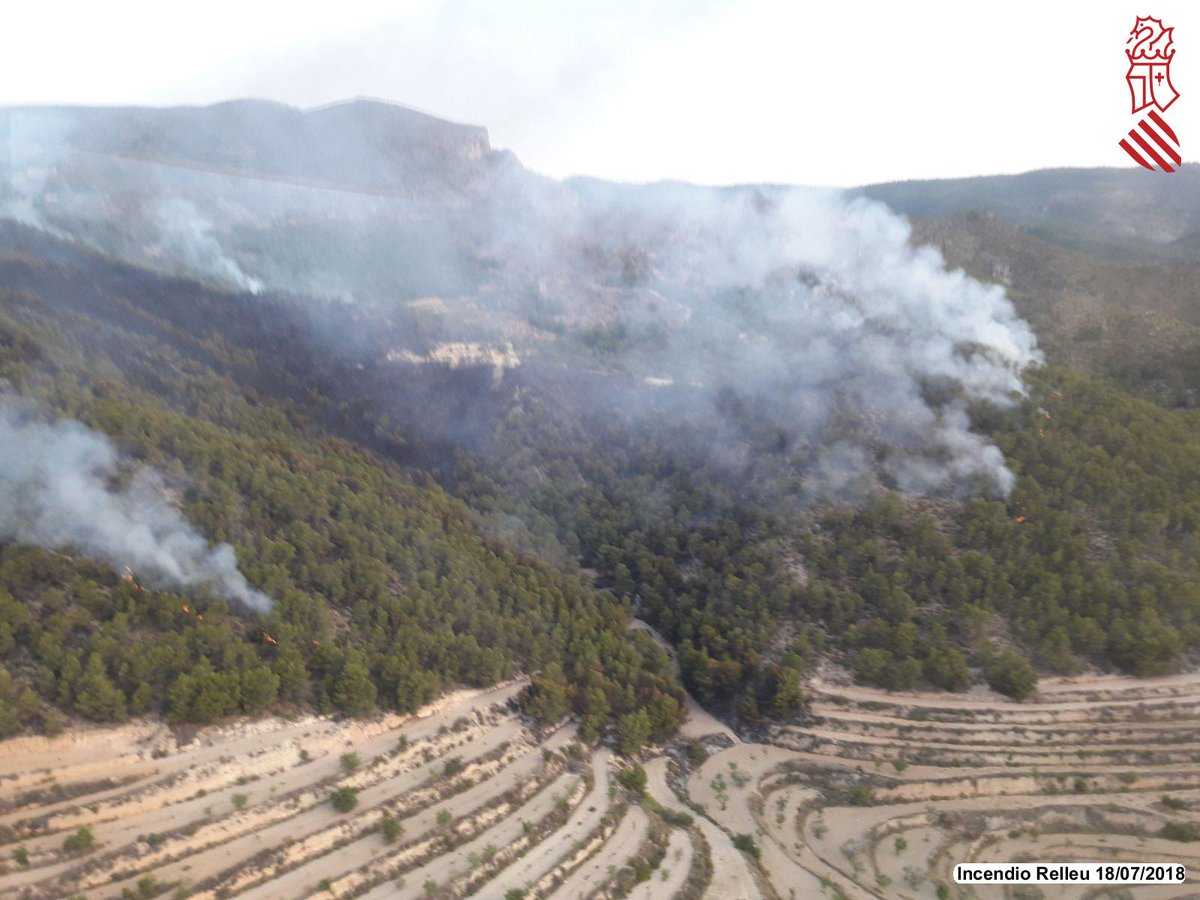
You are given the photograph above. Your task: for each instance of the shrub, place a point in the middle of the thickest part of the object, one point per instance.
(677, 818)
(861, 795)
(1180, 831)
(344, 799)
(641, 870)
(81, 841)
(390, 829)
(350, 762)
(1009, 673)
(239, 801)
(633, 780)
(747, 844)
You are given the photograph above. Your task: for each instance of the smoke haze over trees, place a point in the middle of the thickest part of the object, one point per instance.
(462, 421)
(56, 492)
(860, 350)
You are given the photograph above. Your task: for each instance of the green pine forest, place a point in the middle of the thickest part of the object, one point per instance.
(401, 566)
(387, 592)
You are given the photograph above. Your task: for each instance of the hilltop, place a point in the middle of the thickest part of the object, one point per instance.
(1117, 214)
(356, 145)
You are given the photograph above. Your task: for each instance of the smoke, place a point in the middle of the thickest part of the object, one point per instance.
(56, 491)
(800, 312)
(186, 238)
(802, 315)
(29, 148)
(124, 206)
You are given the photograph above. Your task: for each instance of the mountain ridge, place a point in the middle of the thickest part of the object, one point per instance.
(362, 144)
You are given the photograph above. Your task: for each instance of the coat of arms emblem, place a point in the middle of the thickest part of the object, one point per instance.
(1150, 53)
(1152, 143)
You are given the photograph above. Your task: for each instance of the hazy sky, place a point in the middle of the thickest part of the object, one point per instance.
(832, 93)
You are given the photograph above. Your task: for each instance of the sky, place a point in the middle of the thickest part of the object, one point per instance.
(712, 92)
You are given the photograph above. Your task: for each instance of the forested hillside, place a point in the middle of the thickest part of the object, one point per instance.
(484, 442)
(386, 590)
(1116, 214)
(1135, 321)
(1091, 561)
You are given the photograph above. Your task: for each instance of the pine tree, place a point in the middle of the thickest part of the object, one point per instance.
(96, 697)
(353, 691)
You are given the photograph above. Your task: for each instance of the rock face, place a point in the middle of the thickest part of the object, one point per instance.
(354, 200)
(456, 354)
(463, 355)
(366, 145)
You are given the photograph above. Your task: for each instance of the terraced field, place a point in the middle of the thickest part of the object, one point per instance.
(459, 800)
(878, 795)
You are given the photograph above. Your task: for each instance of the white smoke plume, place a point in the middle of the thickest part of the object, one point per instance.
(185, 238)
(811, 309)
(136, 209)
(55, 492)
(803, 310)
